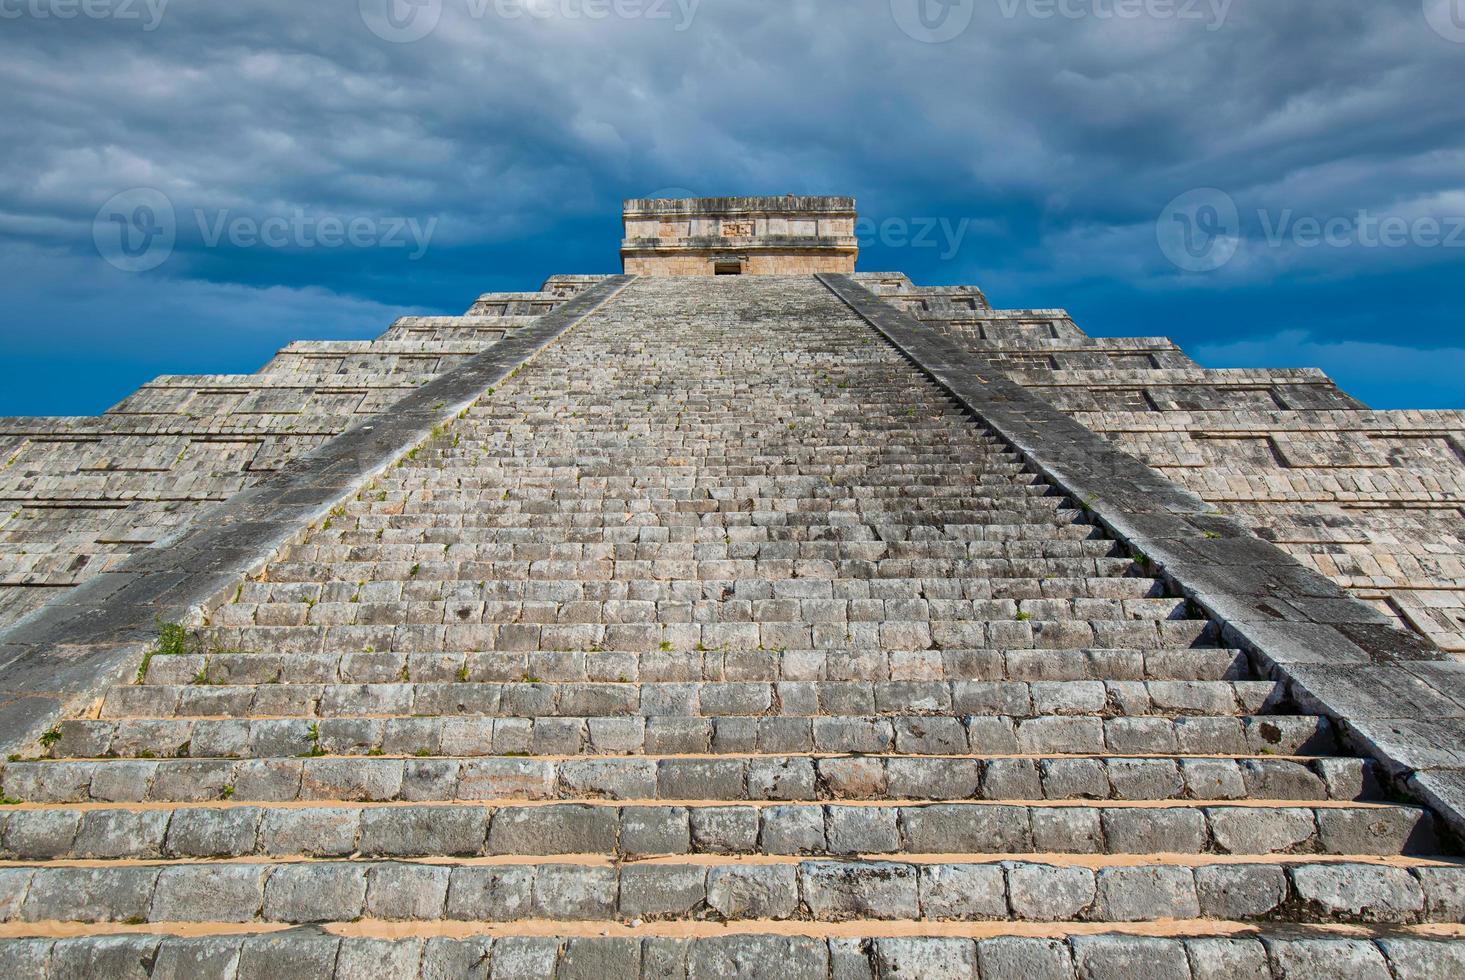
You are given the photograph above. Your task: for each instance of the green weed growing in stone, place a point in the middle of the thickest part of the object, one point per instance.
(173, 640)
(50, 737)
(313, 736)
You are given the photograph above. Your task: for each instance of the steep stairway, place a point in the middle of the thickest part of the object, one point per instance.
(716, 642)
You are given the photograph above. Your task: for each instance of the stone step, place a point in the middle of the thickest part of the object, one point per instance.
(446, 548)
(750, 613)
(477, 736)
(912, 635)
(826, 468)
(1028, 513)
(586, 478)
(722, 890)
(756, 578)
(1014, 576)
(632, 832)
(749, 777)
(439, 544)
(699, 952)
(772, 560)
(649, 602)
(588, 472)
(996, 539)
(395, 562)
(833, 502)
(1110, 666)
(540, 699)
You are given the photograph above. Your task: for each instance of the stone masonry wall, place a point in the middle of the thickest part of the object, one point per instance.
(1372, 499)
(78, 495)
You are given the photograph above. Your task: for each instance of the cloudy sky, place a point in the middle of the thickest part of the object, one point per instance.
(188, 184)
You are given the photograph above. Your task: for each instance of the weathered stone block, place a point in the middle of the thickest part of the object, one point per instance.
(1240, 891)
(1126, 957)
(930, 959)
(222, 893)
(963, 892)
(1046, 893)
(1031, 959)
(839, 892)
(315, 893)
(491, 894)
(660, 891)
(1367, 893)
(406, 892)
(797, 958)
(753, 891)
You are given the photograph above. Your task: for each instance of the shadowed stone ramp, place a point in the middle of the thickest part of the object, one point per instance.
(717, 641)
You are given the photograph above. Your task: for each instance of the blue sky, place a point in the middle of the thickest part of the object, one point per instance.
(1318, 148)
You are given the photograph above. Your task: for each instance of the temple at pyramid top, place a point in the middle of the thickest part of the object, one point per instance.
(717, 236)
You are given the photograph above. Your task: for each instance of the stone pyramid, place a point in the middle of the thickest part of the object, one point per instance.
(739, 616)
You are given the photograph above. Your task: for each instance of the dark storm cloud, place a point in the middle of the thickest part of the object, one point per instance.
(1049, 135)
